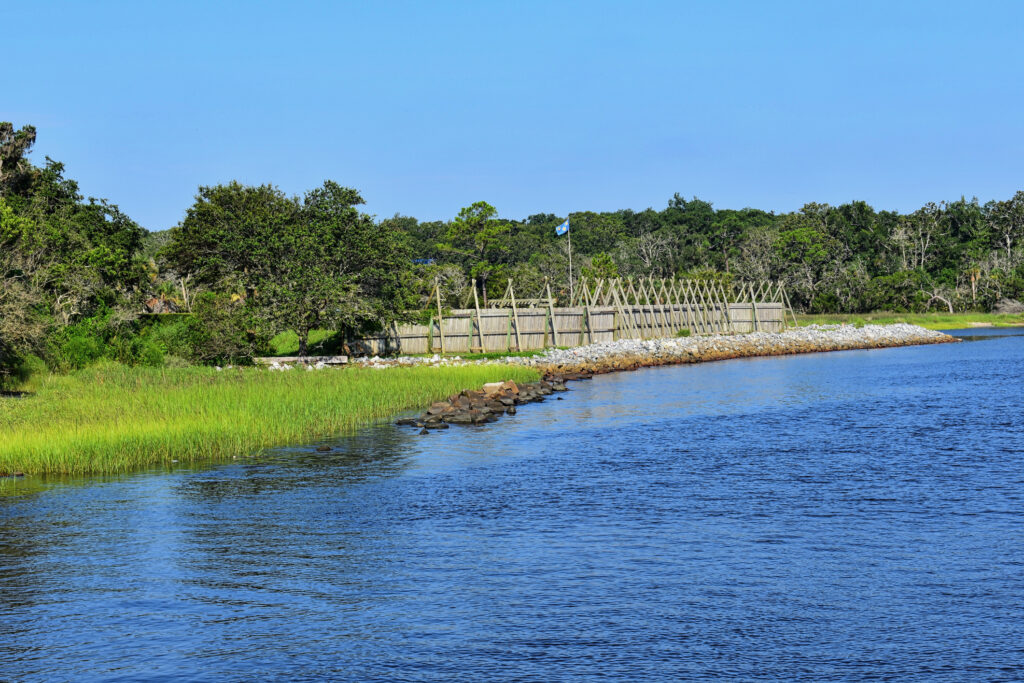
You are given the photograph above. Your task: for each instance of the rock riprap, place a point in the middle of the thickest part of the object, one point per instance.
(487, 405)
(629, 354)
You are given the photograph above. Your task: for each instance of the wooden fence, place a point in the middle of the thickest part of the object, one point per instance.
(603, 311)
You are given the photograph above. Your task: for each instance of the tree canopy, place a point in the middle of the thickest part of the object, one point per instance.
(249, 261)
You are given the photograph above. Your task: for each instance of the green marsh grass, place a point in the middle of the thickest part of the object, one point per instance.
(111, 418)
(932, 321)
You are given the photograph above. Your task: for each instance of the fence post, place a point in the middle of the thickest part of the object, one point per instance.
(515, 314)
(440, 319)
(551, 311)
(479, 321)
(753, 310)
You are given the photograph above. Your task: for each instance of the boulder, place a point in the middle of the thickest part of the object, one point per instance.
(438, 408)
(492, 388)
(460, 418)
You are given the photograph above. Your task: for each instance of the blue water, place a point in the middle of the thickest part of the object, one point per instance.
(843, 516)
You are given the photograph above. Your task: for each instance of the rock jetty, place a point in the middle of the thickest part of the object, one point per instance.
(487, 405)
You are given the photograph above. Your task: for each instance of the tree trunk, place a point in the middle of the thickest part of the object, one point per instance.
(303, 341)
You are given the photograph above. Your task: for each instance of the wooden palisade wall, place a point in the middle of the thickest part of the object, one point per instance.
(602, 311)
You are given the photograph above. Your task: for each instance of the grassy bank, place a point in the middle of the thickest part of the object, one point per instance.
(114, 419)
(931, 321)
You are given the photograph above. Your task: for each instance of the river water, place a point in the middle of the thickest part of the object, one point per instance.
(854, 515)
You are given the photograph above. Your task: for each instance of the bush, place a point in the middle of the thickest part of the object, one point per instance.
(21, 370)
(137, 350)
(221, 330)
(178, 336)
(75, 350)
(683, 333)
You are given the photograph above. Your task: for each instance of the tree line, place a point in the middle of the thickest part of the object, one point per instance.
(246, 262)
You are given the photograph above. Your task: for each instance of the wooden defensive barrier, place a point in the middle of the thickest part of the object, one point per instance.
(599, 311)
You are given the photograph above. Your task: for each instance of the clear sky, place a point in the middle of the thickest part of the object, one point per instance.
(535, 107)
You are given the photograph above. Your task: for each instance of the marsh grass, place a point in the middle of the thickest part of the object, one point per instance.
(932, 321)
(111, 418)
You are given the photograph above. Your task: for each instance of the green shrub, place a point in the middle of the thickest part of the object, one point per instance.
(75, 350)
(683, 333)
(222, 330)
(179, 337)
(23, 370)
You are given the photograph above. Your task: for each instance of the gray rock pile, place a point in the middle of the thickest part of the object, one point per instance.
(487, 405)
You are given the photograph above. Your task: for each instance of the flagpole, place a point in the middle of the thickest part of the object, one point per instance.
(571, 297)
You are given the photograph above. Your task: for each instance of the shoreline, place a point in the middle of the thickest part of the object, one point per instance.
(127, 419)
(631, 354)
(558, 366)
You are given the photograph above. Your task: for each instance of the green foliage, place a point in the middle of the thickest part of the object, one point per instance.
(14, 148)
(74, 350)
(220, 330)
(63, 260)
(683, 333)
(601, 267)
(74, 272)
(480, 243)
(300, 264)
(24, 373)
(82, 344)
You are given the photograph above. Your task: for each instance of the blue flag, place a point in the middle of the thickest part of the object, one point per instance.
(563, 228)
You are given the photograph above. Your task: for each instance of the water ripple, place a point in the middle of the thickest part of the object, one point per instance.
(846, 516)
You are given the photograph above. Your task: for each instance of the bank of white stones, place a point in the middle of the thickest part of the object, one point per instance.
(627, 354)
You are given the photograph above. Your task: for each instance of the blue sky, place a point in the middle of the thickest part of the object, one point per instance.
(534, 107)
